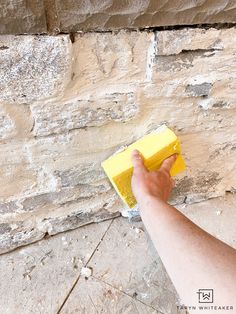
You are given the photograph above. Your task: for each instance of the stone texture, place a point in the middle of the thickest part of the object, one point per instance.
(111, 248)
(146, 279)
(15, 121)
(51, 118)
(31, 219)
(215, 216)
(22, 16)
(126, 262)
(98, 297)
(37, 269)
(16, 180)
(114, 88)
(55, 16)
(202, 89)
(33, 67)
(102, 56)
(111, 15)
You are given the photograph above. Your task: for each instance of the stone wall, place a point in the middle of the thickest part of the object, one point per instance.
(55, 16)
(65, 107)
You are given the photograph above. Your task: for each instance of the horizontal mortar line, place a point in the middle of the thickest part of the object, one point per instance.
(206, 26)
(193, 26)
(77, 279)
(126, 294)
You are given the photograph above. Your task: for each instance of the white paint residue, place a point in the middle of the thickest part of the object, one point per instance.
(205, 104)
(159, 129)
(130, 212)
(47, 181)
(86, 271)
(151, 55)
(199, 79)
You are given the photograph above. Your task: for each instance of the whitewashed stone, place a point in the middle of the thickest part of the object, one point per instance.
(33, 67)
(123, 86)
(16, 180)
(190, 39)
(51, 118)
(104, 63)
(6, 125)
(16, 121)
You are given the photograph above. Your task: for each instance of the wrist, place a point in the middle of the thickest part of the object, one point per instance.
(147, 201)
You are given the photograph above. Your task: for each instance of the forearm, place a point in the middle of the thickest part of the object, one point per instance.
(193, 258)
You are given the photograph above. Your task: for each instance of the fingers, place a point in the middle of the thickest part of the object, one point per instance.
(168, 163)
(137, 161)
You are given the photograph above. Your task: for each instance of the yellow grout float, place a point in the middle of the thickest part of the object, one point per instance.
(154, 147)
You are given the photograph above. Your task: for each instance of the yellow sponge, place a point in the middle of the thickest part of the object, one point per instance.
(154, 147)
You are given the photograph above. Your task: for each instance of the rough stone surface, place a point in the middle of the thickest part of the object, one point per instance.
(36, 270)
(110, 14)
(15, 121)
(54, 16)
(33, 67)
(130, 276)
(88, 99)
(126, 262)
(127, 273)
(79, 114)
(22, 16)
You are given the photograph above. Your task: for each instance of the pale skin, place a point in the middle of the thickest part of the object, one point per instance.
(193, 258)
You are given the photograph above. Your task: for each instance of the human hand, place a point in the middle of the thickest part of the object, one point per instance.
(155, 183)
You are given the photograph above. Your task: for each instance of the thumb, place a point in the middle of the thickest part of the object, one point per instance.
(137, 161)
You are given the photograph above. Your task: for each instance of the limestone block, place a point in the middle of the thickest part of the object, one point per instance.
(80, 175)
(6, 125)
(22, 16)
(210, 158)
(24, 228)
(15, 121)
(110, 14)
(18, 233)
(71, 217)
(192, 39)
(193, 74)
(19, 176)
(33, 67)
(51, 118)
(16, 180)
(104, 62)
(8, 208)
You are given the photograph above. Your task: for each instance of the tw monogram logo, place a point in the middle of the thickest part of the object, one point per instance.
(205, 295)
